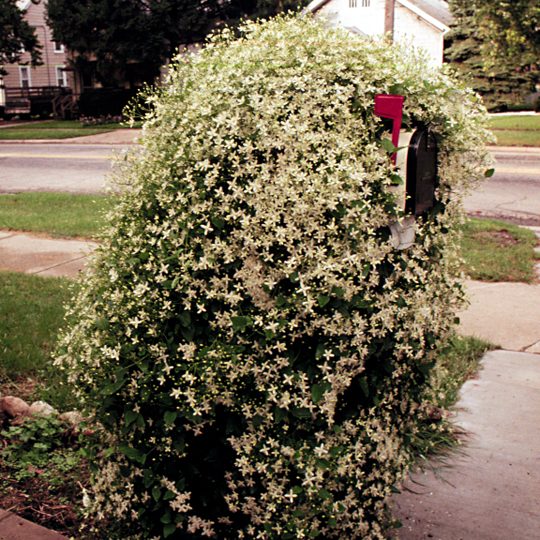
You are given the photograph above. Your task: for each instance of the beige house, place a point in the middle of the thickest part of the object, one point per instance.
(420, 22)
(43, 89)
(54, 58)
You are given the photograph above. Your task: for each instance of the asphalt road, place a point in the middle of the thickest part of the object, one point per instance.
(55, 167)
(513, 193)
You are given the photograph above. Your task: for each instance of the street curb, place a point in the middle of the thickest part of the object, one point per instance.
(515, 149)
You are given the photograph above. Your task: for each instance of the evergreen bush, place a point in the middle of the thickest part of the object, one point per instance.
(255, 350)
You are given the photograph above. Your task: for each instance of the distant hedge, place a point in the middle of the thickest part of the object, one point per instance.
(255, 350)
(96, 102)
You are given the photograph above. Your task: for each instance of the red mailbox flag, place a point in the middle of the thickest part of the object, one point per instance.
(391, 106)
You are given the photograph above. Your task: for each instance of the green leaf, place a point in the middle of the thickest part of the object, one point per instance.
(324, 494)
(188, 333)
(102, 323)
(318, 390)
(323, 300)
(113, 387)
(170, 417)
(217, 222)
(323, 464)
(319, 351)
(156, 493)
(130, 417)
(185, 318)
(169, 495)
(301, 412)
(388, 146)
(396, 179)
(489, 173)
(166, 518)
(240, 323)
(168, 529)
(132, 453)
(148, 478)
(364, 386)
(397, 89)
(279, 414)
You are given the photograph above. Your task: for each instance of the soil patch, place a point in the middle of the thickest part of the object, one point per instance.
(502, 237)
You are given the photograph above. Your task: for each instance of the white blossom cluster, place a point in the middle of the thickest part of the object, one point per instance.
(253, 345)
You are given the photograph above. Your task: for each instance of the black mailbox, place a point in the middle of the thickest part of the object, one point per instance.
(421, 172)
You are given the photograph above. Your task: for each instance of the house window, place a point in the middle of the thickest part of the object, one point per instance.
(353, 3)
(365, 3)
(24, 76)
(356, 3)
(61, 76)
(58, 47)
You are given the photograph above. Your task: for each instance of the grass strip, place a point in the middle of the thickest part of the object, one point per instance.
(517, 138)
(57, 214)
(54, 129)
(516, 130)
(436, 435)
(11, 134)
(458, 362)
(31, 313)
(516, 122)
(498, 251)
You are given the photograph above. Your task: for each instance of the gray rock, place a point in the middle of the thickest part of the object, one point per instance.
(73, 418)
(41, 408)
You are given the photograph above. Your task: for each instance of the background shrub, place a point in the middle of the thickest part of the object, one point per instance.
(255, 349)
(97, 102)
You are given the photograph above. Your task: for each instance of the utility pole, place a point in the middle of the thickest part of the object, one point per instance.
(389, 7)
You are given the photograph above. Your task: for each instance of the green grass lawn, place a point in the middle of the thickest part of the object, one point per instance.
(498, 251)
(516, 130)
(53, 129)
(31, 313)
(57, 214)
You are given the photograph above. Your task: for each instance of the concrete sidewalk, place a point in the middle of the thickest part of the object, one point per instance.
(23, 252)
(13, 527)
(490, 489)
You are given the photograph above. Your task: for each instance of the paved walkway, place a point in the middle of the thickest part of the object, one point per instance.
(23, 252)
(13, 527)
(491, 489)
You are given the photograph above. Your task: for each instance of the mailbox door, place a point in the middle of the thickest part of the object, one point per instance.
(421, 172)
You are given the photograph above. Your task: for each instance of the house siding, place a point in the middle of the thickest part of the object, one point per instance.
(409, 27)
(369, 20)
(44, 75)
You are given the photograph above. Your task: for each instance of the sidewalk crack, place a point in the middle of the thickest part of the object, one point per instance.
(59, 264)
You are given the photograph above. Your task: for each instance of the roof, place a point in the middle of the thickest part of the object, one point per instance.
(438, 9)
(435, 12)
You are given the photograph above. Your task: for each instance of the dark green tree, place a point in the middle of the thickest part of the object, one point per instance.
(128, 40)
(501, 83)
(16, 36)
(511, 29)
